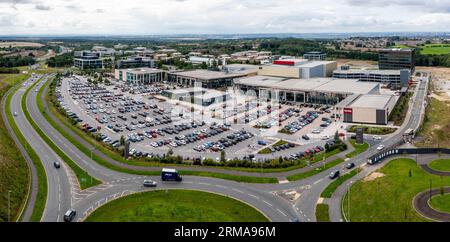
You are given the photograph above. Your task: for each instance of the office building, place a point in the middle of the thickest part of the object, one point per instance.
(204, 78)
(392, 78)
(139, 76)
(135, 62)
(315, 55)
(396, 59)
(87, 60)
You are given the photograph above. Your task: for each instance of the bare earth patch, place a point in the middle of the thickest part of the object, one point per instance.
(373, 176)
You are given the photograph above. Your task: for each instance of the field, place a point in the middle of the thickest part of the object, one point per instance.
(176, 206)
(389, 198)
(19, 44)
(441, 203)
(14, 173)
(436, 128)
(435, 49)
(440, 165)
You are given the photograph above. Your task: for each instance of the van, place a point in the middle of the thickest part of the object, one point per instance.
(170, 175)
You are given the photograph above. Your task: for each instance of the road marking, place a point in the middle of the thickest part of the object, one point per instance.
(281, 212)
(224, 187)
(203, 183)
(251, 195)
(317, 181)
(237, 190)
(267, 203)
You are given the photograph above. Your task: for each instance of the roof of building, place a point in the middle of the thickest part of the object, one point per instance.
(379, 101)
(330, 85)
(207, 75)
(142, 70)
(368, 72)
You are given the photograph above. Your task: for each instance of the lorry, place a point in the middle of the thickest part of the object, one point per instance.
(170, 175)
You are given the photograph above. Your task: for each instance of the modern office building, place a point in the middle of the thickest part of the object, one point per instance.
(87, 60)
(140, 76)
(392, 78)
(198, 95)
(204, 78)
(298, 68)
(135, 62)
(396, 59)
(315, 55)
(367, 108)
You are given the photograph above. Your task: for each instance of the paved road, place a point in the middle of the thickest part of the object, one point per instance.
(423, 207)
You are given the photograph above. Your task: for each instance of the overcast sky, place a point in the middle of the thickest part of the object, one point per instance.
(221, 16)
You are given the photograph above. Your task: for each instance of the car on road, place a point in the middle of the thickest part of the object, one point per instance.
(380, 147)
(149, 183)
(70, 215)
(350, 165)
(56, 164)
(334, 174)
(15, 114)
(305, 137)
(315, 131)
(376, 137)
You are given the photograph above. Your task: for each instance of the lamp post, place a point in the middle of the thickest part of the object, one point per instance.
(9, 205)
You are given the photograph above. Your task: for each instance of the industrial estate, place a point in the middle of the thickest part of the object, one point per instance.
(224, 129)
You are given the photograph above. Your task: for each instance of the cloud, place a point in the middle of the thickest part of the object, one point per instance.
(222, 16)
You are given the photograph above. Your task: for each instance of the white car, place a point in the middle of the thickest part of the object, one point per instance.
(376, 137)
(15, 114)
(380, 147)
(325, 137)
(316, 131)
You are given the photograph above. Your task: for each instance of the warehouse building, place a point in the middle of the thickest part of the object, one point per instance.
(367, 108)
(208, 79)
(298, 68)
(197, 95)
(393, 78)
(139, 76)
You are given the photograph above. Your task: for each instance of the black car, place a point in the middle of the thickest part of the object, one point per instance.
(350, 165)
(69, 215)
(334, 174)
(56, 164)
(305, 137)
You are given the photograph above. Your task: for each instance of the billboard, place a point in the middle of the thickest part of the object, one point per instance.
(359, 136)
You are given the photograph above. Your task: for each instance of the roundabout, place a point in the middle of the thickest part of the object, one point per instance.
(172, 205)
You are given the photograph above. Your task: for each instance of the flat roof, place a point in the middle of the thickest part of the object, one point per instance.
(368, 72)
(322, 84)
(372, 101)
(142, 70)
(207, 75)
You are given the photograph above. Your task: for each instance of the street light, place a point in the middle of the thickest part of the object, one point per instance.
(9, 205)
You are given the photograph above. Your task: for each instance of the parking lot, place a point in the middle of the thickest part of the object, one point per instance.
(154, 126)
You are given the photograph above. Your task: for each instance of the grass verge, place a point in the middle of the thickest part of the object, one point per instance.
(389, 198)
(41, 196)
(441, 203)
(190, 206)
(359, 148)
(329, 190)
(372, 130)
(322, 214)
(440, 165)
(84, 179)
(318, 170)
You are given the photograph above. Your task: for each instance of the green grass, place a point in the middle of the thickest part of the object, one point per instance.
(389, 198)
(322, 214)
(310, 173)
(435, 49)
(41, 196)
(359, 148)
(436, 127)
(401, 46)
(441, 203)
(329, 190)
(268, 151)
(176, 206)
(84, 179)
(14, 171)
(440, 165)
(398, 114)
(372, 130)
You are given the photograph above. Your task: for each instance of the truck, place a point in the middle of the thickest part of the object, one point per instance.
(170, 175)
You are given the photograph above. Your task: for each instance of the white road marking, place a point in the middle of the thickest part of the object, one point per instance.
(203, 183)
(237, 190)
(251, 195)
(281, 212)
(224, 187)
(317, 181)
(267, 203)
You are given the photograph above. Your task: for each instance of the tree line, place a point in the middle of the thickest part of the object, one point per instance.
(16, 61)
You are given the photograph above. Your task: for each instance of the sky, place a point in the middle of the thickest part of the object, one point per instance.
(146, 17)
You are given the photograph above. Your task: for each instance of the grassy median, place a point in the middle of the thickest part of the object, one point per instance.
(41, 197)
(176, 206)
(441, 203)
(359, 148)
(322, 213)
(313, 172)
(329, 190)
(440, 165)
(84, 179)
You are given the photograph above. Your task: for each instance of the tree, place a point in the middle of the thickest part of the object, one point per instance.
(170, 152)
(222, 156)
(122, 140)
(336, 136)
